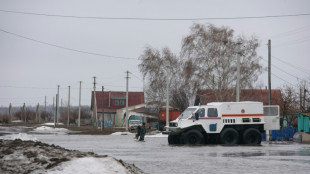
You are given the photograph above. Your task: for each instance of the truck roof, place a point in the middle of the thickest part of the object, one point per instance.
(222, 103)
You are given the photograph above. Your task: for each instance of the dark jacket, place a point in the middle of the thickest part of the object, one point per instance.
(142, 133)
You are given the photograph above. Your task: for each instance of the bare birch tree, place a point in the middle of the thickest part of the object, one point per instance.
(155, 66)
(210, 60)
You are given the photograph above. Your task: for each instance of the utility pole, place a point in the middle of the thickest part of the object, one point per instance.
(269, 72)
(268, 132)
(57, 106)
(79, 124)
(58, 114)
(127, 115)
(55, 117)
(39, 112)
(45, 105)
(10, 112)
(238, 80)
(167, 102)
(68, 108)
(300, 99)
(95, 103)
(239, 53)
(38, 115)
(24, 110)
(53, 111)
(61, 106)
(45, 109)
(304, 99)
(102, 123)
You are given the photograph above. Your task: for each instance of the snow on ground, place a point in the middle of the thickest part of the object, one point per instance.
(21, 136)
(160, 135)
(17, 121)
(122, 133)
(52, 124)
(17, 156)
(94, 166)
(51, 130)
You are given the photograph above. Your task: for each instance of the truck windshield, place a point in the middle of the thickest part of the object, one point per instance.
(134, 122)
(187, 113)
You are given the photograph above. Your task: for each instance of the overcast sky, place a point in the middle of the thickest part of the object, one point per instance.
(36, 51)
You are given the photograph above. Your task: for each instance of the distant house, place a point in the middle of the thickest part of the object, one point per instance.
(261, 95)
(114, 106)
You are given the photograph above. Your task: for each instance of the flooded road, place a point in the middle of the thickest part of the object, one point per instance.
(155, 156)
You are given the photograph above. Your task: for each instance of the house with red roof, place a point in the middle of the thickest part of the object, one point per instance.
(261, 95)
(113, 104)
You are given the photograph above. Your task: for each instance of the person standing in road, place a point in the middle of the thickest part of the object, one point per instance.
(138, 132)
(142, 132)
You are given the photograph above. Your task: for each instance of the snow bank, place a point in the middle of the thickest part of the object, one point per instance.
(121, 133)
(89, 165)
(22, 136)
(19, 156)
(46, 129)
(17, 121)
(160, 135)
(52, 124)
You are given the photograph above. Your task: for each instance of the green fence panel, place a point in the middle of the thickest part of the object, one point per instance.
(300, 122)
(303, 123)
(306, 124)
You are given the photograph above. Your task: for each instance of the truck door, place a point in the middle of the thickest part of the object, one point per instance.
(272, 117)
(214, 121)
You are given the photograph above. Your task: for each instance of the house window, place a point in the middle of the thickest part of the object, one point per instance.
(117, 102)
(122, 102)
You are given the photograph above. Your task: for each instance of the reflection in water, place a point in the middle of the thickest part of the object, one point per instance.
(244, 154)
(302, 152)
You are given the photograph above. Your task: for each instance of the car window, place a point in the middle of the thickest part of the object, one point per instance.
(212, 112)
(201, 112)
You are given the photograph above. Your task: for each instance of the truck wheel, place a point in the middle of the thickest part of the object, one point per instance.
(251, 136)
(229, 136)
(193, 137)
(173, 139)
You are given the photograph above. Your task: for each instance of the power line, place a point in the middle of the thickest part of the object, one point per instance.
(21, 98)
(136, 76)
(282, 79)
(118, 86)
(65, 48)
(289, 64)
(285, 73)
(296, 41)
(27, 87)
(283, 70)
(156, 19)
(292, 32)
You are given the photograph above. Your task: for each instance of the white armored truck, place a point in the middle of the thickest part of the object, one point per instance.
(224, 123)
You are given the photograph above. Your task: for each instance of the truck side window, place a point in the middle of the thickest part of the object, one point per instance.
(201, 112)
(212, 112)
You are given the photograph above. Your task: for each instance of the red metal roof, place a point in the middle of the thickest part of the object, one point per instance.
(261, 95)
(134, 98)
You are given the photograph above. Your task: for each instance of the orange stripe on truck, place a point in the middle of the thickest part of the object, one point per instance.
(207, 118)
(242, 115)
